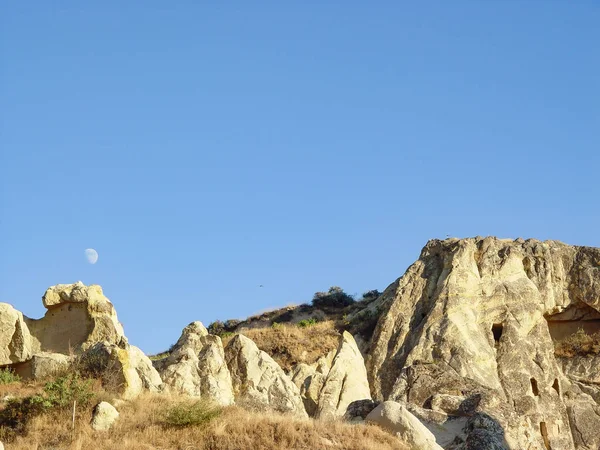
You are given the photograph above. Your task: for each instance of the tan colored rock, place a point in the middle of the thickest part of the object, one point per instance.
(399, 421)
(197, 367)
(480, 315)
(43, 365)
(124, 369)
(257, 378)
(346, 381)
(104, 416)
(15, 339)
(215, 380)
(78, 316)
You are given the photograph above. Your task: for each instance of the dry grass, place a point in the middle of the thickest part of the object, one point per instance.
(578, 344)
(140, 427)
(291, 344)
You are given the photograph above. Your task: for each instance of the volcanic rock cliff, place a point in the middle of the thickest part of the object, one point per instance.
(471, 327)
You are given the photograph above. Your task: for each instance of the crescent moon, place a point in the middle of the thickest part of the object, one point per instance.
(91, 255)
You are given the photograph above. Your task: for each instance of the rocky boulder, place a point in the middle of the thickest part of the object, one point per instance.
(123, 368)
(257, 378)
(197, 367)
(399, 421)
(104, 416)
(15, 339)
(346, 381)
(43, 365)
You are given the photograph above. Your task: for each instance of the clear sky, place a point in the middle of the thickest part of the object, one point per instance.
(205, 150)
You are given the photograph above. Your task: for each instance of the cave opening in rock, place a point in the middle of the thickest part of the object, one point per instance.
(573, 328)
(534, 387)
(497, 329)
(556, 386)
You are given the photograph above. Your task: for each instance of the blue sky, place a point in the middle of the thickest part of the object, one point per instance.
(205, 150)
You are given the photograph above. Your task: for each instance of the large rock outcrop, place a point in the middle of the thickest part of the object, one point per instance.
(196, 366)
(123, 368)
(15, 340)
(478, 316)
(257, 378)
(78, 317)
(346, 381)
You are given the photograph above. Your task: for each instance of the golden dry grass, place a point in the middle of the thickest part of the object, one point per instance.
(289, 344)
(141, 427)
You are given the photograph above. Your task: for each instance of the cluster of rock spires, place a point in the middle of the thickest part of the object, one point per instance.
(462, 357)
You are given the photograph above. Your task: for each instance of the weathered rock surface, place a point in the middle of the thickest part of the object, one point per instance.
(43, 365)
(310, 379)
(124, 368)
(197, 367)
(346, 381)
(104, 416)
(257, 378)
(398, 420)
(479, 316)
(78, 316)
(15, 339)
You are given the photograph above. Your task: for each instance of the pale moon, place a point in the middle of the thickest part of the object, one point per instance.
(91, 255)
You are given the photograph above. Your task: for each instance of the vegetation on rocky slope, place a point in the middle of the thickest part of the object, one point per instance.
(167, 422)
(578, 344)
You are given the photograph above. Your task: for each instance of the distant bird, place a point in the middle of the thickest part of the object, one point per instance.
(260, 285)
(447, 236)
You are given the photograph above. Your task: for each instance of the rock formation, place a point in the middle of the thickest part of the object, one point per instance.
(258, 379)
(104, 416)
(478, 317)
(123, 368)
(78, 316)
(346, 381)
(398, 420)
(80, 322)
(196, 366)
(15, 340)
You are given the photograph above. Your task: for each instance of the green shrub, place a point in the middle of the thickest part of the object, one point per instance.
(335, 297)
(216, 328)
(63, 391)
(8, 376)
(578, 344)
(371, 295)
(276, 325)
(226, 334)
(190, 414)
(307, 322)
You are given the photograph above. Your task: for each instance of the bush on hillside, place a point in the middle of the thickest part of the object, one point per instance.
(335, 297)
(578, 344)
(8, 376)
(188, 414)
(307, 322)
(371, 295)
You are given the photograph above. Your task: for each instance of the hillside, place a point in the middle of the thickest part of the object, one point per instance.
(483, 343)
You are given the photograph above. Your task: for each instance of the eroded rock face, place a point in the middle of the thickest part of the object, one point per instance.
(15, 339)
(257, 378)
(78, 316)
(123, 368)
(472, 317)
(346, 381)
(310, 379)
(196, 367)
(43, 365)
